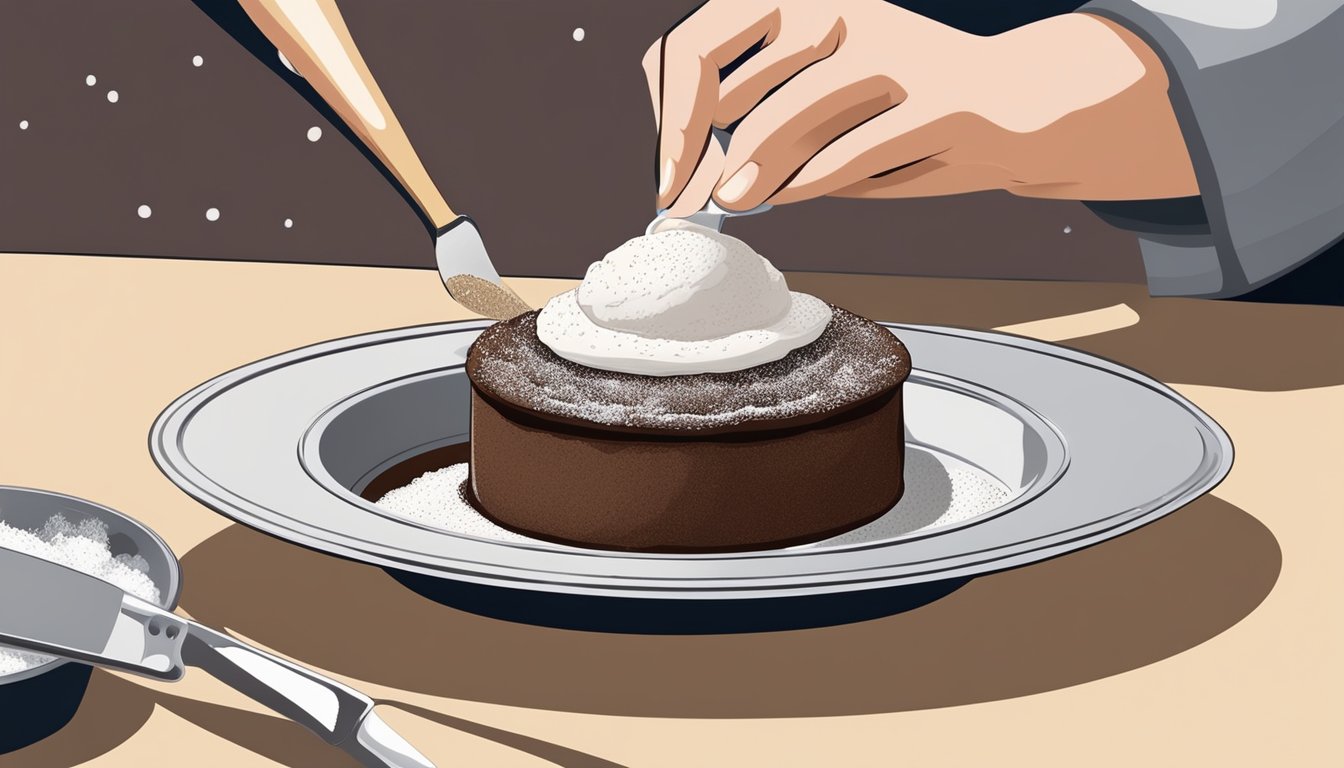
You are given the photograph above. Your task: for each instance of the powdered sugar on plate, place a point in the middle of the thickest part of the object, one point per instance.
(939, 491)
(436, 499)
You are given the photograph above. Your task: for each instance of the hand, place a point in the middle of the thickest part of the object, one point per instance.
(859, 98)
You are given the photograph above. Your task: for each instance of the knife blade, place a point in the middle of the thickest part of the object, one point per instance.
(48, 608)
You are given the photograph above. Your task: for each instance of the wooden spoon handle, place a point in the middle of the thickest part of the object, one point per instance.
(313, 36)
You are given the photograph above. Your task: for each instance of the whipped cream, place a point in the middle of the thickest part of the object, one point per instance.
(681, 301)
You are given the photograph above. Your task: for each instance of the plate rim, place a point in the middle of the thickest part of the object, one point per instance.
(1207, 475)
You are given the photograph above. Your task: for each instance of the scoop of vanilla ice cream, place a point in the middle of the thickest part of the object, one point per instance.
(686, 284)
(681, 301)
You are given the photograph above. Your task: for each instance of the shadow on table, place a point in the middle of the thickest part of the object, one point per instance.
(114, 709)
(552, 753)
(106, 717)
(1263, 347)
(1102, 611)
(1242, 345)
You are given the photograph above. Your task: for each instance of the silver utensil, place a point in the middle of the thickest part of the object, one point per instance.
(48, 608)
(711, 215)
(315, 39)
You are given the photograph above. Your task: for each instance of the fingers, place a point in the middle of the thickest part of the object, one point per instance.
(778, 61)
(900, 138)
(793, 124)
(931, 177)
(653, 73)
(690, 56)
(701, 184)
(690, 91)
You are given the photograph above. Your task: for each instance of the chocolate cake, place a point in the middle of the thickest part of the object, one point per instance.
(795, 450)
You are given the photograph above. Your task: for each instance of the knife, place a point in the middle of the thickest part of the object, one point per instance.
(48, 608)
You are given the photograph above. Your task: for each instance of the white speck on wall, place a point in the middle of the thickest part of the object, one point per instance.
(197, 60)
(212, 214)
(143, 212)
(113, 96)
(578, 34)
(289, 223)
(1068, 229)
(90, 80)
(23, 125)
(314, 133)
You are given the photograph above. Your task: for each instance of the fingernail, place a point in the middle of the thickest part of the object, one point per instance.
(735, 187)
(665, 178)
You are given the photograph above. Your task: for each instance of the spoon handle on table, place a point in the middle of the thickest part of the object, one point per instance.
(313, 37)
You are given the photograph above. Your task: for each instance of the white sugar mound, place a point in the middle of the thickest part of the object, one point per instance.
(84, 547)
(939, 491)
(684, 285)
(681, 301)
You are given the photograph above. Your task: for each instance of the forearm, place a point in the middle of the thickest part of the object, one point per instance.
(1260, 103)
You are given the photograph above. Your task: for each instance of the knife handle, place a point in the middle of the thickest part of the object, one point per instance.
(155, 635)
(323, 706)
(313, 36)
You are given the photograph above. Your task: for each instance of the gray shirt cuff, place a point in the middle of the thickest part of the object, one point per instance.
(1260, 101)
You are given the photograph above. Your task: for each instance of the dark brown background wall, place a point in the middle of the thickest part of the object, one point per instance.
(547, 142)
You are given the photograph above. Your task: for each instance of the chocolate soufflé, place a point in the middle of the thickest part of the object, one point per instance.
(796, 450)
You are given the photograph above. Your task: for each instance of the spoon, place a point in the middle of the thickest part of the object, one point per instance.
(311, 34)
(711, 215)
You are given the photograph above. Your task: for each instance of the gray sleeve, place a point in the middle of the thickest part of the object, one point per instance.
(1258, 88)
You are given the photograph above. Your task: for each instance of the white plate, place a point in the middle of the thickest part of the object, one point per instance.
(1086, 450)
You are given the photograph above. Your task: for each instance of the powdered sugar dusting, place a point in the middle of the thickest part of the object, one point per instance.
(438, 499)
(82, 546)
(939, 491)
(853, 359)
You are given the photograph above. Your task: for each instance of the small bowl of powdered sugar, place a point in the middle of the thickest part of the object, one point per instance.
(39, 694)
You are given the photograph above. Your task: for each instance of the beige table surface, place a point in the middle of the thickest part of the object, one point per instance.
(1213, 637)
